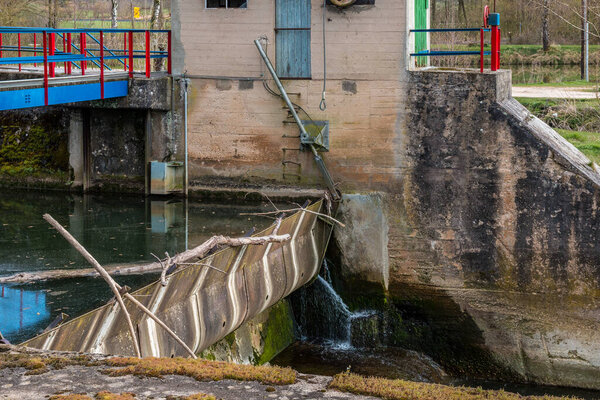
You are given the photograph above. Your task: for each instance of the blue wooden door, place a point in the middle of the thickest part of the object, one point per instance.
(292, 38)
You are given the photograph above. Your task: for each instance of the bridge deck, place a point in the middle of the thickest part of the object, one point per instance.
(24, 93)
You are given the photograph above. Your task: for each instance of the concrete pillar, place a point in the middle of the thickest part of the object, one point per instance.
(76, 146)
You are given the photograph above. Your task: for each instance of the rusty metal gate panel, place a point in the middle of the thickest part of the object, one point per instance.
(202, 304)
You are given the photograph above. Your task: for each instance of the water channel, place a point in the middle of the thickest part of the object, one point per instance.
(125, 229)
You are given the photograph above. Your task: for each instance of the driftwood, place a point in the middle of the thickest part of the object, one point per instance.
(136, 269)
(116, 288)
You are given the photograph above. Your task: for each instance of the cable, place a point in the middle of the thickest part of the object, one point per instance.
(323, 104)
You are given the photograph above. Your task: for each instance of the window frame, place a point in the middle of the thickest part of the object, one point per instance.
(206, 7)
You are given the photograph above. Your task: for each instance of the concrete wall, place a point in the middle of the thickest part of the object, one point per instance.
(493, 238)
(238, 130)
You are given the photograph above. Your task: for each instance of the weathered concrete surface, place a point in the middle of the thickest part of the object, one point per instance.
(364, 241)
(202, 304)
(258, 340)
(15, 385)
(498, 214)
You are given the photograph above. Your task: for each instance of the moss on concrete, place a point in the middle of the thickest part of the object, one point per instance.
(277, 332)
(405, 390)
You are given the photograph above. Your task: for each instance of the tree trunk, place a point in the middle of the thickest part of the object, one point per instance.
(156, 23)
(583, 27)
(432, 22)
(461, 5)
(132, 15)
(545, 33)
(114, 13)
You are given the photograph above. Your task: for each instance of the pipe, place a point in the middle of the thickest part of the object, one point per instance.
(320, 163)
(185, 144)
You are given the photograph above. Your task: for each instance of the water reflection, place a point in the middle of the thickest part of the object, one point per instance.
(26, 307)
(116, 230)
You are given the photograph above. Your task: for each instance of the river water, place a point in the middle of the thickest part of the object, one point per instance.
(116, 230)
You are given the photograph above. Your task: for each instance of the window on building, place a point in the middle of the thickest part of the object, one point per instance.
(292, 39)
(226, 3)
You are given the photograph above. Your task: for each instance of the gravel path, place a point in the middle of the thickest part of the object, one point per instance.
(15, 385)
(551, 92)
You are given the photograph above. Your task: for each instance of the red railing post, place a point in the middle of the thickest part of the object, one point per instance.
(19, 47)
(147, 54)
(70, 63)
(131, 54)
(481, 51)
(494, 54)
(169, 52)
(52, 45)
(45, 44)
(101, 65)
(64, 37)
(82, 37)
(499, 45)
(0, 45)
(35, 48)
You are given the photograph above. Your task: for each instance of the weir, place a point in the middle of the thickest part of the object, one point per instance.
(205, 301)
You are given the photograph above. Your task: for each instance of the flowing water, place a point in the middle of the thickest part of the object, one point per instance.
(334, 339)
(116, 230)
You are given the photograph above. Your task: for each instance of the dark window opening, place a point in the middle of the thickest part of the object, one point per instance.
(358, 2)
(226, 3)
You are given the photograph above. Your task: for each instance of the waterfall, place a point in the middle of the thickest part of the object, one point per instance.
(322, 315)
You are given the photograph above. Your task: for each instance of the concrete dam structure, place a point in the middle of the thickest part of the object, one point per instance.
(471, 227)
(203, 302)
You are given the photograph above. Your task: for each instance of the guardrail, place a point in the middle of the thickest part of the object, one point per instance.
(491, 24)
(44, 48)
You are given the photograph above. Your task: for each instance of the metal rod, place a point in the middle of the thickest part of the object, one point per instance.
(19, 39)
(70, 63)
(147, 54)
(185, 117)
(481, 50)
(52, 51)
(130, 54)
(45, 69)
(82, 38)
(34, 46)
(318, 159)
(101, 65)
(169, 52)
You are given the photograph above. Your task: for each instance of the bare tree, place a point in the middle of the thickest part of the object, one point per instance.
(114, 8)
(584, 17)
(156, 22)
(545, 32)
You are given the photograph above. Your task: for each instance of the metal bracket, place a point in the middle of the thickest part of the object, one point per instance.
(317, 134)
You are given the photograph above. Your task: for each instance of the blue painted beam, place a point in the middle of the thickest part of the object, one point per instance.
(34, 97)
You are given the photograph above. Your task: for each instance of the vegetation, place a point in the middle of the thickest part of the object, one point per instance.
(200, 370)
(405, 390)
(578, 121)
(124, 396)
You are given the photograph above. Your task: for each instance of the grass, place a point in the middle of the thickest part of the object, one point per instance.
(574, 83)
(200, 370)
(405, 390)
(586, 142)
(578, 121)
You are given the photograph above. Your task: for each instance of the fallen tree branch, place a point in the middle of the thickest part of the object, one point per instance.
(114, 286)
(117, 289)
(137, 269)
(330, 218)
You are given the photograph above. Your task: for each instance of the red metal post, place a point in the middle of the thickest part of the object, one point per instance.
(169, 49)
(64, 37)
(131, 54)
(45, 68)
(499, 45)
(0, 45)
(481, 54)
(147, 54)
(494, 56)
(70, 63)
(101, 65)
(35, 48)
(82, 37)
(19, 46)
(52, 45)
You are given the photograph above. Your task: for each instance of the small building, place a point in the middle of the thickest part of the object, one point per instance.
(355, 56)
